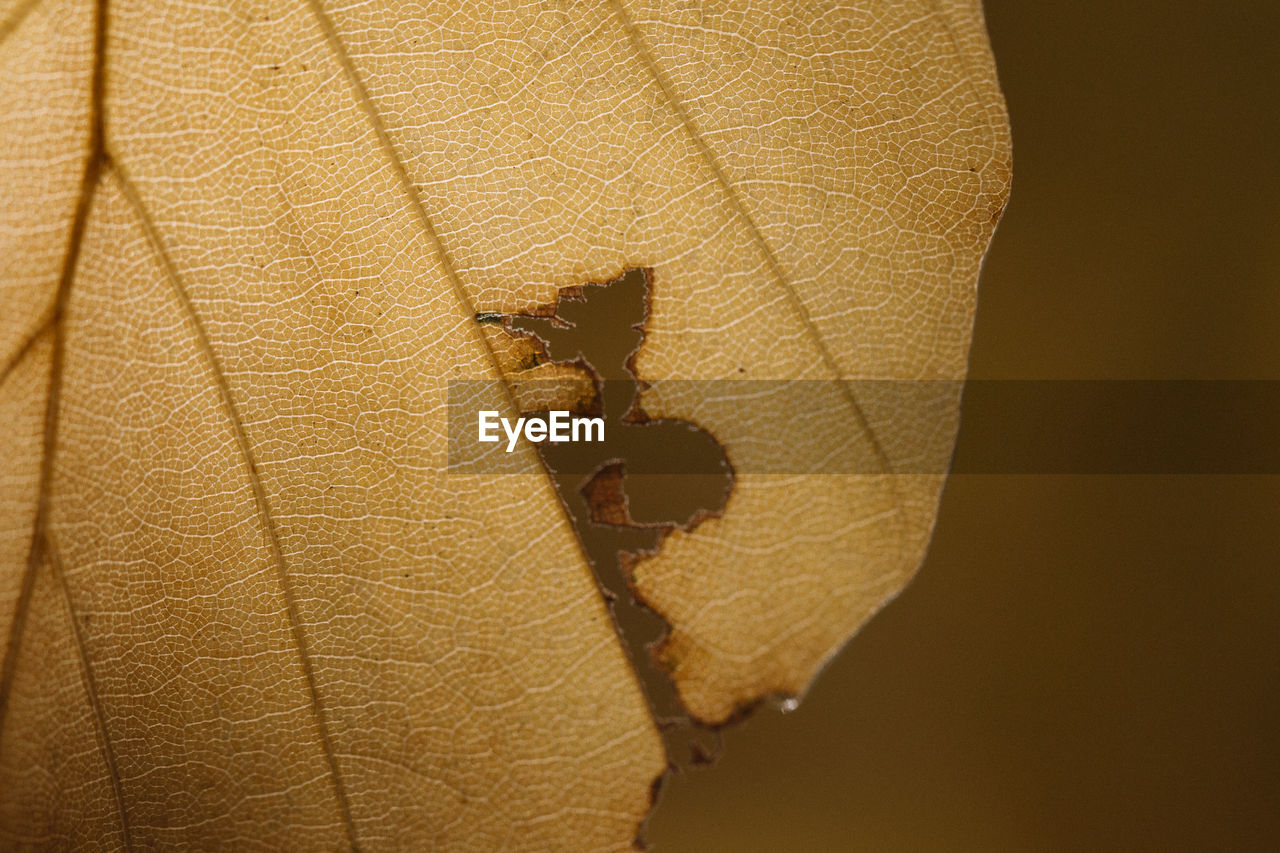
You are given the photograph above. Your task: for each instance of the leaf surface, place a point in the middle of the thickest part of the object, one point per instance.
(244, 601)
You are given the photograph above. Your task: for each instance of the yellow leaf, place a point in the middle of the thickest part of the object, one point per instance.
(244, 600)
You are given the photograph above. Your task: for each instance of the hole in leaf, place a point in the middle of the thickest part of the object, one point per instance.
(627, 502)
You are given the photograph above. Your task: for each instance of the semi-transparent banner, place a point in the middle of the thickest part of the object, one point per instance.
(866, 426)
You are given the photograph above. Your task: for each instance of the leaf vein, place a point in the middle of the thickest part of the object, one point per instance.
(259, 492)
(735, 202)
(91, 689)
(25, 348)
(75, 240)
(419, 209)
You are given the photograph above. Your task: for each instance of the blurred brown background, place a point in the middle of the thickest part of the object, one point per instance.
(1084, 662)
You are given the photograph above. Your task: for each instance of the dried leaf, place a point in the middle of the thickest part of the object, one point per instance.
(245, 601)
